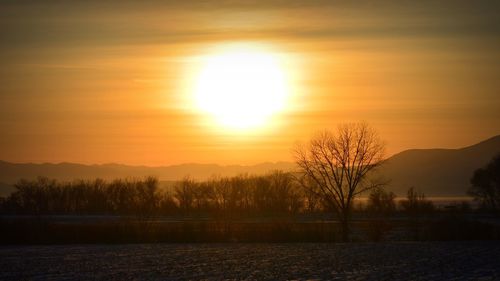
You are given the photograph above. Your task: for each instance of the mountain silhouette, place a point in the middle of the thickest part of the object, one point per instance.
(12, 172)
(436, 172)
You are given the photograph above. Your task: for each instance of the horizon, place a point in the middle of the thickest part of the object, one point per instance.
(237, 164)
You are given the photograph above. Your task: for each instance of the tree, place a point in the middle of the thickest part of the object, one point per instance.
(381, 202)
(416, 206)
(486, 184)
(380, 207)
(222, 191)
(184, 193)
(338, 163)
(147, 195)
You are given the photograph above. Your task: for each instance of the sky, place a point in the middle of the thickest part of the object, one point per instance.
(112, 81)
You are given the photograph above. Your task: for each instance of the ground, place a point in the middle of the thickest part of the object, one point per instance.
(237, 261)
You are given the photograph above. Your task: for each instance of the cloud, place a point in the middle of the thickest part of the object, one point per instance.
(33, 25)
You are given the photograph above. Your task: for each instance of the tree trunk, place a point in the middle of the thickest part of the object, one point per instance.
(344, 225)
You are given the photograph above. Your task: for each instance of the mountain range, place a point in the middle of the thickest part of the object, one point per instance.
(436, 172)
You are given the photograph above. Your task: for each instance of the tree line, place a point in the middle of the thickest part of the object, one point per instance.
(275, 193)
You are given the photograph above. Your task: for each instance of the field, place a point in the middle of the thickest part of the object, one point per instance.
(247, 261)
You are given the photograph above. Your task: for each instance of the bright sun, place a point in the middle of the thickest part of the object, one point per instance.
(241, 88)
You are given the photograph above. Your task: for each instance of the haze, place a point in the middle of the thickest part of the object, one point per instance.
(100, 82)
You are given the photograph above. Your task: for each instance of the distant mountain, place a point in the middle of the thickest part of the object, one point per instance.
(11, 172)
(437, 172)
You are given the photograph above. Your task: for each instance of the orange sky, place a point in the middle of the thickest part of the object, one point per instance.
(94, 82)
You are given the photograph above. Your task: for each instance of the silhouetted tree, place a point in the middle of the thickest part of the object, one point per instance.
(272, 194)
(416, 206)
(486, 184)
(416, 203)
(204, 197)
(147, 195)
(239, 197)
(47, 196)
(312, 200)
(222, 192)
(339, 163)
(166, 202)
(380, 207)
(283, 194)
(381, 202)
(185, 194)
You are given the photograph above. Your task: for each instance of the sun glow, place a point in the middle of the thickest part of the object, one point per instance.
(242, 88)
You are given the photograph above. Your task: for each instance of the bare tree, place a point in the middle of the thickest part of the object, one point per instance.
(381, 202)
(184, 193)
(338, 164)
(380, 207)
(416, 206)
(222, 190)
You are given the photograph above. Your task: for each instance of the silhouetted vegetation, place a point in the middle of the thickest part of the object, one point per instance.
(417, 208)
(275, 194)
(381, 206)
(269, 208)
(45, 196)
(486, 185)
(416, 204)
(335, 166)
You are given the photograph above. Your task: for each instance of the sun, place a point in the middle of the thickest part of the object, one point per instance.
(241, 88)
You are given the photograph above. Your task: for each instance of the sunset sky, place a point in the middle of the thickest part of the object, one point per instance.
(117, 81)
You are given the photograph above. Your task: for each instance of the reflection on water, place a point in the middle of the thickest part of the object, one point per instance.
(439, 201)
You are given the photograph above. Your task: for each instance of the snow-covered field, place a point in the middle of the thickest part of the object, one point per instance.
(356, 261)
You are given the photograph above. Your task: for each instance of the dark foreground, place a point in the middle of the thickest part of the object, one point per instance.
(357, 261)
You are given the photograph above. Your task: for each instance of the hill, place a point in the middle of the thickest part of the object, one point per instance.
(437, 172)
